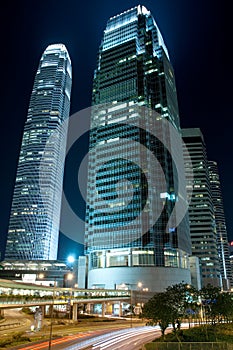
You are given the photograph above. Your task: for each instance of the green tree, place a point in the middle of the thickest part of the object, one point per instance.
(183, 298)
(222, 309)
(171, 306)
(209, 296)
(159, 311)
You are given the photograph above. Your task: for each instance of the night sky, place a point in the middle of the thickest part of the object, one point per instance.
(197, 34)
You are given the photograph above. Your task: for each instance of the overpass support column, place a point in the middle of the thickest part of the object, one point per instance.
(42, 307)
(103, 309)
(120, 309)
(89, 308)
(75, 312)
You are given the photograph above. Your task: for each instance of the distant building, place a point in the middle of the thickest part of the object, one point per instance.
(222, 239)
(123, 247)
(35, 212)
(201, 209)
(42, 272)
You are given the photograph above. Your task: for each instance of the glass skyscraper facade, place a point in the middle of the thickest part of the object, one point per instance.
(222, 239)
(134, 79)
(201, 209)
(35, 213)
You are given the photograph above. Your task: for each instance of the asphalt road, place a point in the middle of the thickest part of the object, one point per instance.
(128, 339)
(89, 338)
(15, 320)
(124, 339)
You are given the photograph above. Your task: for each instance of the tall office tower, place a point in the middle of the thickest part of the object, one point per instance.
(201, 209)
(124, 242)
(35, 213)
(222, 239)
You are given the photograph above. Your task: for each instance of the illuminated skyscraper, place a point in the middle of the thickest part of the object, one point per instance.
(201, 209)
(222, 240)
(35, 212)
(134, 77)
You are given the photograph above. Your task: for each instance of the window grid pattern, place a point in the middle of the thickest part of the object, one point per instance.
(35, 213)
(201, 210)
(133, 70)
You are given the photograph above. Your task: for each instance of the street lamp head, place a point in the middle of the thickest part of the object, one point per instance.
(71, 259)
(69, 276)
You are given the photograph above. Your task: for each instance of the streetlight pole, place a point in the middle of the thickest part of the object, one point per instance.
(51, 316)
(139, 285)
(69, 277)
